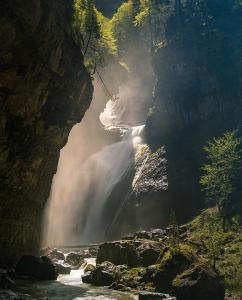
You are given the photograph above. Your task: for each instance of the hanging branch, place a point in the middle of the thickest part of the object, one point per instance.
(112, 97)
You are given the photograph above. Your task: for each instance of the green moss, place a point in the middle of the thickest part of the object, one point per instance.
(207, 233)
(134, 272)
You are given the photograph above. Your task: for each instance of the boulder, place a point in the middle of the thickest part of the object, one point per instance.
(200, 283)
(37, 267)
(119, 253)
(149, 252)
(87, 277)
(171, 263)
(62, 268)
(104, 274)
(56, 255)
(75, 259)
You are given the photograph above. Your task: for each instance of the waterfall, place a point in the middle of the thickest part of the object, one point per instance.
(79, 218)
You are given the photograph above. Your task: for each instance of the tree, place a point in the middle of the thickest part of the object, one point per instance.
(220, 174)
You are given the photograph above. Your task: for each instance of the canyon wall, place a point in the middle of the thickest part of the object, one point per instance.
(44, 90)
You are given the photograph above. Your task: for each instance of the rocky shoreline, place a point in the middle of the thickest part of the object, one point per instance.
(149, 264)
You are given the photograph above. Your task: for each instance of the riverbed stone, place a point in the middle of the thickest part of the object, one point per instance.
(56, 255)
(105, 274)
(75, 259)
(40, 268)
(62, 268)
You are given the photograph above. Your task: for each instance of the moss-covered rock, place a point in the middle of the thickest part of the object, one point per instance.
(171, 263)
(200, 283)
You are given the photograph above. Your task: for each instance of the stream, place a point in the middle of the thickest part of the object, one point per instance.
(70, 287)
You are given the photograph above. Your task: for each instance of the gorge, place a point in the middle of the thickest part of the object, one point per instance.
(106, 108)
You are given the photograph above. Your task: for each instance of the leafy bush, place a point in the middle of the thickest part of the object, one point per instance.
(221, 171)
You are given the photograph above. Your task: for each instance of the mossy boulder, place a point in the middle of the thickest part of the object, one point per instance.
(119, 253)
(89, 268)
(200, 283)
(171, 263)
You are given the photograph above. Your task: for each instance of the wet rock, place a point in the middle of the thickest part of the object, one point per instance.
(62, 268)
(198, 283)
(56, 255)
(87, 277)
(119, 253)
(93, 252)
(75, 259)
(85, 253)
(104, 274)
(153, 296)
(89, 268)
(37, 267)
(132, 277)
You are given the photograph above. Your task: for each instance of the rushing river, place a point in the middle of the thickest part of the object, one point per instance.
(70, 287)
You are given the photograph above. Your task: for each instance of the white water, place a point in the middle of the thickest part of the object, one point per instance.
(79, 218)
(71, 287)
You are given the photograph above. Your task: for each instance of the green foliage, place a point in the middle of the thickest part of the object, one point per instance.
(151, 21)
(218, 181)
(93, 32)
(122, 26)
(222, 249)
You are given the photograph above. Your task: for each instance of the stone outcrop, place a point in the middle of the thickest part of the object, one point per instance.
(119, 253)
(44, 90)
(192, 98)
(160, 267)
(40, 268)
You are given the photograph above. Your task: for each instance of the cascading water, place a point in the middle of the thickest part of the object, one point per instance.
(80, 217)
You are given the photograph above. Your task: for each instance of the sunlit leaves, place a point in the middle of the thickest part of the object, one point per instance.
(224, 162)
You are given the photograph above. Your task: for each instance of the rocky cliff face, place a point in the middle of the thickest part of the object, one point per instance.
(44, 90)
(198, 91)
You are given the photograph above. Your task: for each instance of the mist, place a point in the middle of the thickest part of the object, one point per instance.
(99, 152)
